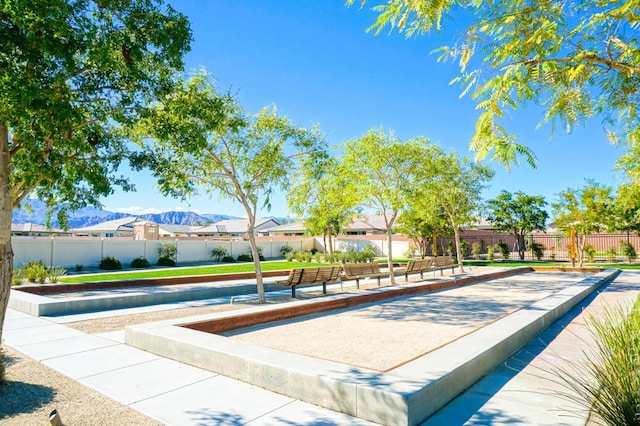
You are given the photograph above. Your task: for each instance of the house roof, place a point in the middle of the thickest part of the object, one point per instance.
(234, 226)
(372, 222)
(123, 224)
(34, 227)
(297, 227)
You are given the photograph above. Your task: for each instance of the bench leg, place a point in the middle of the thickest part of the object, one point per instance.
(378, 281)
(422, 275)
(358, 283)
(324, 288)
(293, 291)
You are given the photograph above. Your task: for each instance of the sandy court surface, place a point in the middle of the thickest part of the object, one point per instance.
(384, 335)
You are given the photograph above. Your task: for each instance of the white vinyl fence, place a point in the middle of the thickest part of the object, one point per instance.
(69, 252)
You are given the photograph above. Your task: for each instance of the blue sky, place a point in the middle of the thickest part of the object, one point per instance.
(315, 61)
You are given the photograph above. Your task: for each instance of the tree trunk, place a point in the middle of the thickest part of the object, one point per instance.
(521, 245)
(456, 234)
(6, 213)
(392, 279)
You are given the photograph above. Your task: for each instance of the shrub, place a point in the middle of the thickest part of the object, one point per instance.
(475, 250)
(298, 256)
(368, 254)
(110, 263)
(491, 253)
(607, 381)
(140, 262)
(504, 249)
(289, 256)
(35, 271)
(218, 253)
(537, 249)
(228, 259)
(589, 252)
(54, 273)
(611, 254)
(169, 250)
(79, 267)
(166, 261)
(286, 249)
(317, 257)
(245, 258)
(18, 276)
(464, 248)
(627, 249)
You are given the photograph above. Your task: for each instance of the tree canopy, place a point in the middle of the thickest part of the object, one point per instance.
(519, 214)
(71, 73)
(576, 60)
(204, 141)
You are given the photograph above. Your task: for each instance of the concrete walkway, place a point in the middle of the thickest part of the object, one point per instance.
(520, 392)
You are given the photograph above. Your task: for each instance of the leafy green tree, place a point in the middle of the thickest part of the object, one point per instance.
(385, 171)
(204, 141)
(456, 185)
(72, 73)
(587, 210)
(626, 209)
(421, 221)
(519, 214)
(324, 198)
(575, 59)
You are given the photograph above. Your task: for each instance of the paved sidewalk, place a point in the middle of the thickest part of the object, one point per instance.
(517, 393)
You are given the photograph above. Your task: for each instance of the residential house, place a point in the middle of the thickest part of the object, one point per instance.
(235, 227)
(112, 228)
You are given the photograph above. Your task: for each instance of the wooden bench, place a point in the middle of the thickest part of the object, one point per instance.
(440, 263)
(309, 276)
(360, 271)
(414, 267)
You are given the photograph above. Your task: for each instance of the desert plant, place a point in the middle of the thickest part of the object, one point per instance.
(110, 263)
(298, 256)
(611, 254)
(165, 261)
(218, 253)
(476, 247)
(289, 256)
(35, 271)
(317, 257)
(228, 259)
(491, 253)
(169, 250)
(79, 267)
(244, 258)
(286, 249)
(54, 273)
(18, 276)
(504, 249)
(627, 249)
(367, 254)
(537, 250)
(140, 262)
(589, 252)
(464, 248)
(607, 381)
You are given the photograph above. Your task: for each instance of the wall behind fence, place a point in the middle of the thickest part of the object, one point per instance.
(69, 252)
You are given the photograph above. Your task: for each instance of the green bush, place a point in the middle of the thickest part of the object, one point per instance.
(607, 381)
(475, 250)
(35, 271)
(368, 254)
(228, 259)
(54, 273)
(286, 249)
(464, 248)
(289, 256)
(245, 258)
(628, 250)
(611, 254)
(589, 252)
(140, 262)
(165, 261)
(491, 253)
(537, 249)
(218, 253)
(504, 249)
(317, 257)
(110, 263)
(18, 276)
(169, 250)
(79, 267)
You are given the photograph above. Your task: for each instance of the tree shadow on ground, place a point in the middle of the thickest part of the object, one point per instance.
(19, 397)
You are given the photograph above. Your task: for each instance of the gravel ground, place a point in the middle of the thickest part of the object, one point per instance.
(32, 390)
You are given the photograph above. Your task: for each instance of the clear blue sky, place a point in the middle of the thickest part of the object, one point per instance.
(314, 60)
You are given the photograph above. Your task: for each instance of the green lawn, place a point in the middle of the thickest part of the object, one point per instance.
(180, 272)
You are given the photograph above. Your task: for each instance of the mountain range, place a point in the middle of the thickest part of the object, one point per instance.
(35, 211)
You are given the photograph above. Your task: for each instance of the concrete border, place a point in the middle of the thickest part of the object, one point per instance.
(404, 396)
(37, 305)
